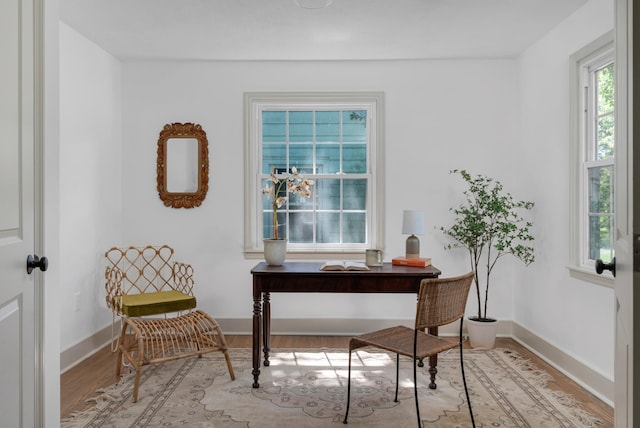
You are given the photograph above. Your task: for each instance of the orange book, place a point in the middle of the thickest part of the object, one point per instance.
(403, 261)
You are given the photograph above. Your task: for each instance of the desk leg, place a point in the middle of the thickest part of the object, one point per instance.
(433, 362)
(266, 327)
(256, 339)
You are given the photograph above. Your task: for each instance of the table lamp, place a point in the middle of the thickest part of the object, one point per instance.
(413, 224)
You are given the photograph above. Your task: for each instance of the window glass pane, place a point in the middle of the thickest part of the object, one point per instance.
(354, 126)
(328, 228)
(327, 193)
(297, 202)
(605, 136)
(328, 126)
(327, 158)
(300, 227)
(273, 156)
(300, 126)
(354, 159)
(600, 238)
(605, 88)
(600, 189)
(301, 156)
(274, 126)
(354, 197)
(354, 228)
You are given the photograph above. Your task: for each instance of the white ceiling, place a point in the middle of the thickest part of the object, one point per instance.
(346, 29)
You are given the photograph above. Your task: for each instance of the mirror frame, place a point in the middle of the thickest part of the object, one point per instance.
(177, 199)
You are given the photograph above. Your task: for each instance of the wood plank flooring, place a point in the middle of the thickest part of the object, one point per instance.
(80, 383)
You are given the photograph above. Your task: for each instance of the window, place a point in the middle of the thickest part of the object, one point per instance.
(334, 139)
(593, 140)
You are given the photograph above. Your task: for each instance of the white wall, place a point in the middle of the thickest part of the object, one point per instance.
(90, 180)
(573, 315)
(440, 115)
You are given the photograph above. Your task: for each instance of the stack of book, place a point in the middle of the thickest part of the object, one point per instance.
(403, 261)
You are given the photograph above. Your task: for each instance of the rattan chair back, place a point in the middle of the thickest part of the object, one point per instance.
(442, 300)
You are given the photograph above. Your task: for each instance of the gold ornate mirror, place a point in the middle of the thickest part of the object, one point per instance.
(183, 165)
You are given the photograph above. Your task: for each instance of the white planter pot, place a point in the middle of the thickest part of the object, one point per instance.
(482, 334)
(275, 251)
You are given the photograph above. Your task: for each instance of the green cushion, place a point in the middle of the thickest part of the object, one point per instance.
(139, 305)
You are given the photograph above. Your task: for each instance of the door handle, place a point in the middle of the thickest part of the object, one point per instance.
(36, 262)
(602, 266)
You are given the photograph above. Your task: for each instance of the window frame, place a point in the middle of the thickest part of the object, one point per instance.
(595, 55)
(254, 102)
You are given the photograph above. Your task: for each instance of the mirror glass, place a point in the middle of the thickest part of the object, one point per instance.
(183, 165)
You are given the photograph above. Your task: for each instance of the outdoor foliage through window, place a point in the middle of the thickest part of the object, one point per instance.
(599, 165)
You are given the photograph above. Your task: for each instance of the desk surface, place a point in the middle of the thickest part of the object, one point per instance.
(307, 277)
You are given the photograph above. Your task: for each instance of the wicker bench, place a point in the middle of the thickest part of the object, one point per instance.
(143, 282)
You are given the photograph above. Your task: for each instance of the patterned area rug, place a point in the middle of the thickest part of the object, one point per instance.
(307, 388)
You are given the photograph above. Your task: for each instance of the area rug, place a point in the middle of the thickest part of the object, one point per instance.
(307, 388)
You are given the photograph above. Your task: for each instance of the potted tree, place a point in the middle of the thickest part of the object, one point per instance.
(489, 225)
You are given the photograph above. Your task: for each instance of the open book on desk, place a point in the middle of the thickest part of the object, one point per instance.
(341, 265)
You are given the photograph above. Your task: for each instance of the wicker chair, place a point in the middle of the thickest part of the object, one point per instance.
(440, 301)
(143, 282)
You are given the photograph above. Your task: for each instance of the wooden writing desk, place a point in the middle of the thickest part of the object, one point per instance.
(306, 277)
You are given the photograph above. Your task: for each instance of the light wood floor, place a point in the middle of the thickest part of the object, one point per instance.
(80, 383)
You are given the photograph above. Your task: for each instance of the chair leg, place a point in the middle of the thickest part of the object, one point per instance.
(464, 379)
(138, 364)
(346, 414)
(415, 375)
(415, 390)
(397, 376)
(120, 345)
(229, 366)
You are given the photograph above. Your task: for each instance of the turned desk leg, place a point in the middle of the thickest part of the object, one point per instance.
(256, 340)
(433, 362)
(266, 324)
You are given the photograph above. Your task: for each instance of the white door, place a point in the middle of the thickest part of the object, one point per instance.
(18, 398)
(627, 224)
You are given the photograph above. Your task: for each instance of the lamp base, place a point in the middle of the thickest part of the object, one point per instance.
(413, 247)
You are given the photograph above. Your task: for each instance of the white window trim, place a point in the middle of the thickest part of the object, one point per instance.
(253, 247)
(599, 50)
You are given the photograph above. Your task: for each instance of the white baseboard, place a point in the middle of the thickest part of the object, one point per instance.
(590, 379)
(75, 354)
(579, 372)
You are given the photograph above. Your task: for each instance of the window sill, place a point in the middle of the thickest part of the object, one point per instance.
(606, 279)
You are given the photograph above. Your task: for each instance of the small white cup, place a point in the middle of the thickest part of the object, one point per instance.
(373, 257)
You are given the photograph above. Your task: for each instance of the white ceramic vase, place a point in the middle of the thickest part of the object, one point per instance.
(275, 251)
(482, 334)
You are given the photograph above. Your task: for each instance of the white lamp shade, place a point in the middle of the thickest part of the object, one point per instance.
(413, 222)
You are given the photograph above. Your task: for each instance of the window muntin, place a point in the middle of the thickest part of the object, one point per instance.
(332, 139)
